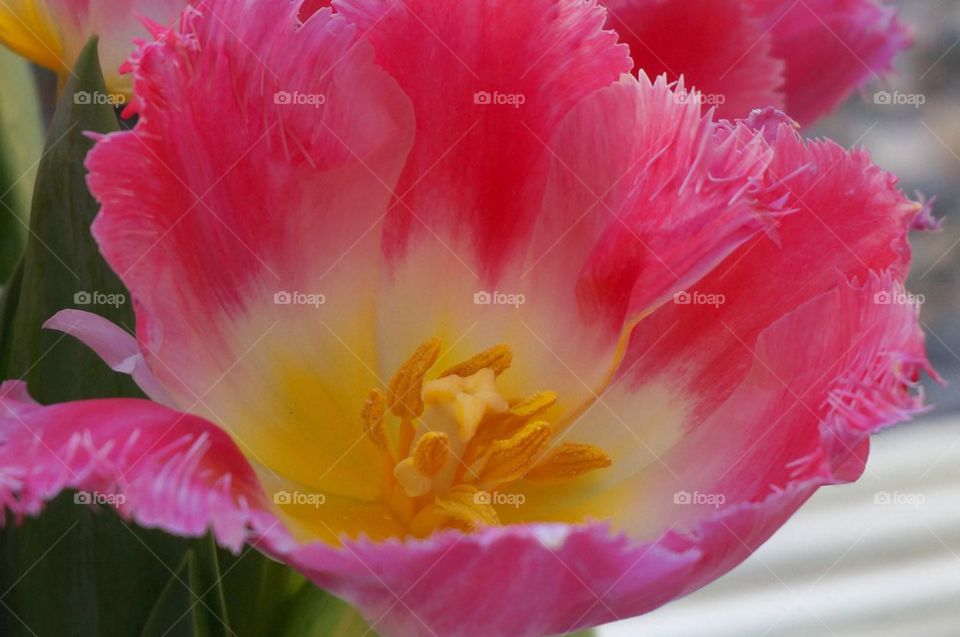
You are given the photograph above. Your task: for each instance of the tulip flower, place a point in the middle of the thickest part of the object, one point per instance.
(445, 308)
(52, 32)
(804, 57)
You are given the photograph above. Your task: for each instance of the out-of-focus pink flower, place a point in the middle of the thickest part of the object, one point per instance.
(804, 57)
(480, 332)
(52, 32)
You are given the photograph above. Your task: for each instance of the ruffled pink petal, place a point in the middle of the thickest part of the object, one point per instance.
(523, 581)
(849, 219)
(114, 345)
(631, 213)
(700, 351)
(301, 138)
(501, 76)
(246, 223)
(718, 48)
(158, 467)
(696, 193)
(805, 57)
(829, 47)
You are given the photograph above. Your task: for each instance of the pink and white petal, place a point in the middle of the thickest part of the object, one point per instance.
(160, 468)
(468, 585)
(686, 360)
(801, 419)
(634, 211)
(280, 314)
(821, 379)
(472, 190)
(849, 219)
(830, 48)
(114, 345)
(718, 48)
(644, 194)
(478, 166)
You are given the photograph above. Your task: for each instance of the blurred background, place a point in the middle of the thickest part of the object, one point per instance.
(881, 557)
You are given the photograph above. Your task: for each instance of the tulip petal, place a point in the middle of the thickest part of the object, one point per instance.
(159, 467)
(560, 578)
(718, 48)
(501, 76)
(804, 57)
(496, 192)
(273, 121)
(697, 353)
(632, 213)
(849, 220)
(115, 346)
(830, 48)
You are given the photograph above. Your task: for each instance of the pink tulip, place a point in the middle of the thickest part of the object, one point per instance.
(52, 32)
(477, 330)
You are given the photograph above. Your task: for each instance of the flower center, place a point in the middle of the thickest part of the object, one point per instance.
(459, 441)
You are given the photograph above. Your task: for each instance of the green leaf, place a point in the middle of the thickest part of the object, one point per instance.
(62, 266)
(315, 613)
(8, 308)
(256, 589)
(176, 612)
(21, 141)
(76, 571)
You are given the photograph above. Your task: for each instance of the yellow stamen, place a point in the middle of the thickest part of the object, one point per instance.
(497, 358)
(431, 453)
(535, 405)
(510, 459)
(372, 414)
(405, 437)
(468, 504)
(417, 472)
(470, 438)
(406, 385)
(568, 461)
